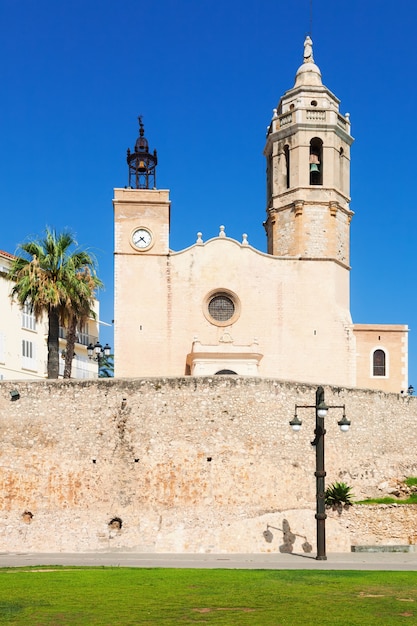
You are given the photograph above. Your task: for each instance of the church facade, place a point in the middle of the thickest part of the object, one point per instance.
(223, 307)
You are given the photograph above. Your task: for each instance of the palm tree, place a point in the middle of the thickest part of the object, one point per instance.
(48, 275)
(82, 295)
(106, 369)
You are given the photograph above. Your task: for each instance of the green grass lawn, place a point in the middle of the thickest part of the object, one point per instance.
(122, 596)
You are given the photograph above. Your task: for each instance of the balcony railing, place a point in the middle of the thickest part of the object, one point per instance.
(82, 337)
(80, 369)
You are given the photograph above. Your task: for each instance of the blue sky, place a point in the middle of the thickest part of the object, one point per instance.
(206, 76)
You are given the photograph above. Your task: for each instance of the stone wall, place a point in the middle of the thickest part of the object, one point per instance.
(194, 465)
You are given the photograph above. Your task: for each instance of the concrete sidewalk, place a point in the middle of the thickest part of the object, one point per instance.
(341, 561)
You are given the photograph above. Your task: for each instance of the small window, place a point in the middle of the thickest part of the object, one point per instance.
(379, 363)
(28, 355)
(82, 334)
(226, 373)
(313, 103)
(28, 317)
(27, 349)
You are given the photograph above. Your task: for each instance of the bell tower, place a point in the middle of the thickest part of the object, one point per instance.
(308, 167)
(141, 249)
(141, 163)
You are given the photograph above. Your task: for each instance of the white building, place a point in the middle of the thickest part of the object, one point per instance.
(23, 340)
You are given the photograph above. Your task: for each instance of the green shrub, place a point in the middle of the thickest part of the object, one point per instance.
(338, 495)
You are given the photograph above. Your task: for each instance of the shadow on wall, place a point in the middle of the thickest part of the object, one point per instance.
(288, 538)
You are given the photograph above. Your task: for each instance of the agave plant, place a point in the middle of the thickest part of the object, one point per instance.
(338, 495)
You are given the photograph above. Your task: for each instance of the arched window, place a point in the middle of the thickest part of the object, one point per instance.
(287, 164)
(316, 161)
(269, 176)
(341, 168)
(226, 373)
(379, 363)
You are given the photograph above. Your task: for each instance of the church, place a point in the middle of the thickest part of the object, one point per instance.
(223, 307)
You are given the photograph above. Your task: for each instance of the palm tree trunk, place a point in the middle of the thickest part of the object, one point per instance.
(53, 343)
(69, 350)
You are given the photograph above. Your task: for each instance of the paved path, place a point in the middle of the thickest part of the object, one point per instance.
(342, 561)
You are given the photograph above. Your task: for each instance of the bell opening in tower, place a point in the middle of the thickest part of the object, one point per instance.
(141, 163)
(287, 164)
(316, 161)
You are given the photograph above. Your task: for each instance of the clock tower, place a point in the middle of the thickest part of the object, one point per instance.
(141, 218)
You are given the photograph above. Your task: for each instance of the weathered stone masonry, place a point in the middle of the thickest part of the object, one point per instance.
(192, 464)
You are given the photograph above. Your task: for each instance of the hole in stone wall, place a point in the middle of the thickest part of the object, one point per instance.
(209, 458)
(116, 523)
(27, 517)
(136, 460)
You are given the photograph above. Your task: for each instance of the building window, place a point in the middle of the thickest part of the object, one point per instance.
(28, 355)
(341, 164)
(221, 308)
(2, 347)
(28, 317)
(287, 165)
(82, 334)
(379, 363)
(269, 166)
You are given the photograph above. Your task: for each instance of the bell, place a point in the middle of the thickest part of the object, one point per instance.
(314, 168)
(142, 167)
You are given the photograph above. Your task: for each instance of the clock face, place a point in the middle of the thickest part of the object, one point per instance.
(141, 238)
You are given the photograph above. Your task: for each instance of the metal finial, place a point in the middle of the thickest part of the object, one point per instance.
(141, 126)
(311, 18)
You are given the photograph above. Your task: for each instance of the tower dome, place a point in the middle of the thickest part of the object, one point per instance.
(141, 142)
(308, 73)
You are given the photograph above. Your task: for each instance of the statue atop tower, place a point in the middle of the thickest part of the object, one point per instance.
(308, 50)
(141, 163)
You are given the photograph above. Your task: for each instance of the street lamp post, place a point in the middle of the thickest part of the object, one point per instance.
(320, 473)
(98, 353)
